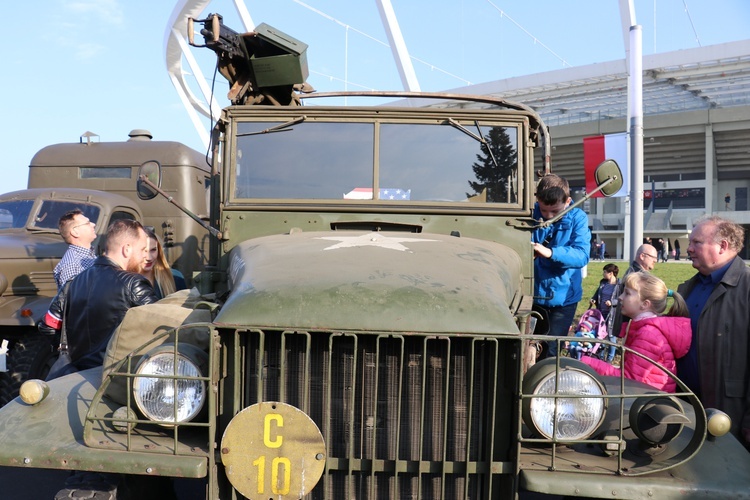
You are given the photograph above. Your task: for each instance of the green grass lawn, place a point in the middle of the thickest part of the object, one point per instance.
(673, 273)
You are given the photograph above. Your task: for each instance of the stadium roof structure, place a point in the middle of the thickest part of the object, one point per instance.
(716, 76)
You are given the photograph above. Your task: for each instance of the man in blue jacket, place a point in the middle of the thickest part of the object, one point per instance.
(561, 250)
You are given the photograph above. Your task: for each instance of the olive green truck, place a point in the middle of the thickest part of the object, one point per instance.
(363, 327)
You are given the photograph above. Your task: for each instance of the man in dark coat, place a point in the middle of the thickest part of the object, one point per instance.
(660, 249)
(716, 366)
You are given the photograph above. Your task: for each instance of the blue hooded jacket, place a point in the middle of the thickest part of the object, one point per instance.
(558, 280)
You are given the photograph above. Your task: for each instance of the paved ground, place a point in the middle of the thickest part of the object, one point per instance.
(29, 484)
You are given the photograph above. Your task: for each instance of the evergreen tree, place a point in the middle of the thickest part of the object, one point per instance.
(496, 179)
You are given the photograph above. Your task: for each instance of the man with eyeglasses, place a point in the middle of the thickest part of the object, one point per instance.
(94, 303)
(90, 308)
(644, 261)
(716, 366)
(79, 233)
(646, 258)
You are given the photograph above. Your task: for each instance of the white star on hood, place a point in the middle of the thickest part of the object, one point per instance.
(370, 240)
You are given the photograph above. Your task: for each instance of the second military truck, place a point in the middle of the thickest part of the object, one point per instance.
(96, 177)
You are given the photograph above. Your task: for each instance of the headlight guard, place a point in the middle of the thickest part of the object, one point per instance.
(566, 403)
(167, 387)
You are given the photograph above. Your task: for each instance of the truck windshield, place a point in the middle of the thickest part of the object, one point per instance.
(14, 214)
(392, 162)
(50, 212)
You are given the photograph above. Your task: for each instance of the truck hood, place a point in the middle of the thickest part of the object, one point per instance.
(21, 244)
(373, 281)
(26, 264)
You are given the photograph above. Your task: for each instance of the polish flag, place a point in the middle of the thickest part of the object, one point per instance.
(598, 148)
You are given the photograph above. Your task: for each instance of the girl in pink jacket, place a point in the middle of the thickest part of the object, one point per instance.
(661, 338)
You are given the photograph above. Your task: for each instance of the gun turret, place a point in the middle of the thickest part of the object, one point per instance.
(264, 66)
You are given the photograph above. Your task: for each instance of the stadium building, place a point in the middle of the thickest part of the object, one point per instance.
(696, 135)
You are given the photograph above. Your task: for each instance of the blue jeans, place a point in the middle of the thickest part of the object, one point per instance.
(612, 349)
(560, 319)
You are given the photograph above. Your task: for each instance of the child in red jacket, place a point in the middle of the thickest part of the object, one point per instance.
(663, 339)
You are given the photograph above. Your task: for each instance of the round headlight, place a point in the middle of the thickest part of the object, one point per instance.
(570, 415)
(159, 391)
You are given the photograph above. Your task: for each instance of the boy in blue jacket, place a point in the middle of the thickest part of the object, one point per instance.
(560, 252)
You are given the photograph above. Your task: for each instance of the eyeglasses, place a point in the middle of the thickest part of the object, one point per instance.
(84, 224)
(649, 255)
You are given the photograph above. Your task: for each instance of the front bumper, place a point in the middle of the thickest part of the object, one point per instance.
(50, 436)
(721, 469)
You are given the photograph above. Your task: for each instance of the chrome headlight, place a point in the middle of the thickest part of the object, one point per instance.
(570, 415)
(166, 390)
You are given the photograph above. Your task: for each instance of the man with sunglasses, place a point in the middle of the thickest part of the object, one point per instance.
(79, 233)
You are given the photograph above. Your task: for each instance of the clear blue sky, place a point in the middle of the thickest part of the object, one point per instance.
(72, 66)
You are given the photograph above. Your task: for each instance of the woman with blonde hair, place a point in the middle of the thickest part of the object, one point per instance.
(155, 267)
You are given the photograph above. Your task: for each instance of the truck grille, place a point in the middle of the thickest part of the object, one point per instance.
(403, 416)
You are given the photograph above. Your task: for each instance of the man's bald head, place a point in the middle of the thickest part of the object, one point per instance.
(646, 256)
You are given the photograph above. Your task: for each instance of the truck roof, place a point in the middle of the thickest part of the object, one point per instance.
(88, 196)
(110, 153)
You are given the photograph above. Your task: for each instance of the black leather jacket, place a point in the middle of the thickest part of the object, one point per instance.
(95, 303)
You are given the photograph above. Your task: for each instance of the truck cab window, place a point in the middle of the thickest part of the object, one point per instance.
(50, 211)
(15, 214)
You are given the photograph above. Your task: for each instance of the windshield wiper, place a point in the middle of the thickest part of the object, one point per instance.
(479, 138)
(35, 229)
(277, 128)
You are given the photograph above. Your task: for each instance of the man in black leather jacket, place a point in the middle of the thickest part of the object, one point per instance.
(98, 298)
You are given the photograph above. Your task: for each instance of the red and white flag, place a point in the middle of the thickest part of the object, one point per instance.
(598, 148)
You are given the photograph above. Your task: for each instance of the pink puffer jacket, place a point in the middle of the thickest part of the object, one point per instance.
(661, 338)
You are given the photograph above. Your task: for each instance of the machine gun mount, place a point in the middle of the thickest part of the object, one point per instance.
(264, 66)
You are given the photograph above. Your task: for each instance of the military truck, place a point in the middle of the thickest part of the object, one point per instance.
(96, 177)
(364, 327)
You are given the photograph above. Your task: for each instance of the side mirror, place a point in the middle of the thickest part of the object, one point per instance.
(608, 180)
(608, 169)
(150, 170)
(149, 185)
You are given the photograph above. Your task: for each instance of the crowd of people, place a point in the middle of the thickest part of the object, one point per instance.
(665, 249)
(702, 337)
(95, 292)
(698, 332)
